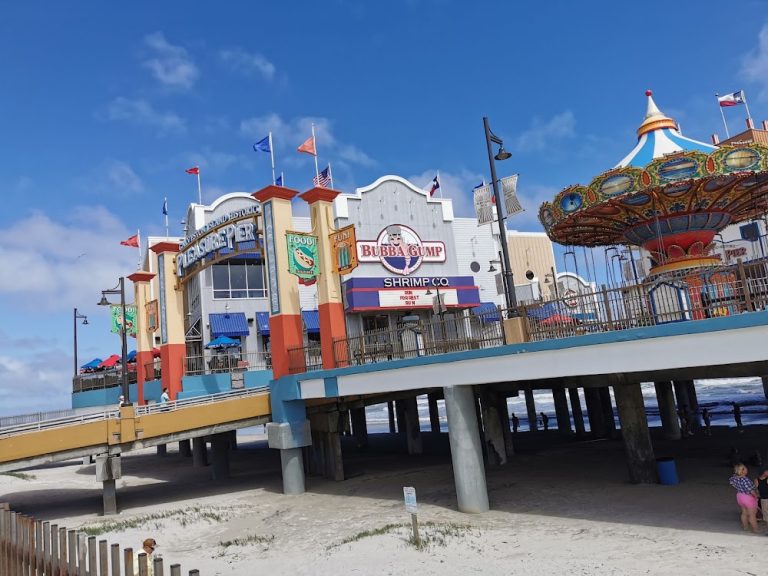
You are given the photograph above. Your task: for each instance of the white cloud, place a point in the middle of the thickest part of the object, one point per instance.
(45, 386)
(289, 135)
(754, 67)
(65, 263)
(169, 64)
(142, 112)
(112, 177)
(543, 134)
(248, 64)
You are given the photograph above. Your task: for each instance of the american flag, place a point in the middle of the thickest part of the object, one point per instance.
(324, 178)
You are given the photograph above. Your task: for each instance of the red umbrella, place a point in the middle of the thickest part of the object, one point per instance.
(559, 319)
(110, 362)
(155, 352)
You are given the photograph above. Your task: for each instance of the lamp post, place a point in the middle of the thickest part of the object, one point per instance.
(76, 317)
(509, 284)
(120, 289)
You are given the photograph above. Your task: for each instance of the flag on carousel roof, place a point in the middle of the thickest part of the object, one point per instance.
(279, 180)
(133, 241)
(193, 170)
(323, 179)
(732, 99)
(165, 207)
(434, 186)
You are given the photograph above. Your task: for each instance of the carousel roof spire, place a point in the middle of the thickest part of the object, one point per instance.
(654, 119)
(658, 135)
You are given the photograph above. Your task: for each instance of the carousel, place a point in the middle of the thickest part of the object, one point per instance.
(671, 195)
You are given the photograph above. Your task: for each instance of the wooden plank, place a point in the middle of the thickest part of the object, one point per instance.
(63, 564)
(55, 550)
(103, 558)
(47, 549)
(82, 554)
(38, 548)
(157, 566)
(92, 569)
(194, 573)
(114, 550)
(175, 569)
(24, 539)
(128, 558)
(143, 567)
(72, 553)
(4, 537)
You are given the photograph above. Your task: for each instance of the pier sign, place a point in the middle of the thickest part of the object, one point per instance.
(302, 256)
(343, 244)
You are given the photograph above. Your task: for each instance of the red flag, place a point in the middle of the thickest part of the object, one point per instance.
(194, 170)
(308, 147)
(133, 241)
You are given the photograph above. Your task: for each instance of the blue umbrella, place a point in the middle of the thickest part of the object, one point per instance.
(222, 342)
(92, 364)
(131, 356)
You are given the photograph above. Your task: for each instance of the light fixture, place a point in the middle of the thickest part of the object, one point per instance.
(492, 268)
(85, 322)
(103, 301)
(428, 292)
(503, 154)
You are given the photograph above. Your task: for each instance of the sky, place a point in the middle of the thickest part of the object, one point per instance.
(105, 104)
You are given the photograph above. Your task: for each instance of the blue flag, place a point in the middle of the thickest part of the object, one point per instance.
(165, 207)
(279, 180)
(262, 145)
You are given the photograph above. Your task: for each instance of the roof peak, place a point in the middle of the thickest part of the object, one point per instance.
(654, 118)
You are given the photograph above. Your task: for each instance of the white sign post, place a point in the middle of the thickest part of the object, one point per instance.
(409, 492)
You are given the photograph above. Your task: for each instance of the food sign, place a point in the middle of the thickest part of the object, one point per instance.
(302, 257)
(343, 248)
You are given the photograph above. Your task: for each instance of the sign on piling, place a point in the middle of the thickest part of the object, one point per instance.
(409, 493)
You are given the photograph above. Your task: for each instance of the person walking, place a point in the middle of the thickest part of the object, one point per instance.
(745, 497)
(737, 416)
(544, 421)
(515, 423)
(707, 422)
(164, 397)
(147, 547)
(762, 492)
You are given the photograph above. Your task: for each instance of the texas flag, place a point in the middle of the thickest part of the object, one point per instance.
(733, 99)
(434, 187)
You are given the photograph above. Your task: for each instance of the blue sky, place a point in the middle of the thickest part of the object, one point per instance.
(105, 104)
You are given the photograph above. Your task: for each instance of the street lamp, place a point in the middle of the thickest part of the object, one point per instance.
(77, 317)
(120, 289)
(509, 284)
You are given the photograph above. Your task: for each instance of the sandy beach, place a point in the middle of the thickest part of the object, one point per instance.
(558, 505)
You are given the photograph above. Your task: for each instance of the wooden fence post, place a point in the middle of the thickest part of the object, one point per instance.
(103, 559)
(157, 565)
(72, 553)
(175, 569)
(92, 569)
(47, 549)
(63, 564)
(115, 552)
(3, 539)
(128, 561)
(55, 550)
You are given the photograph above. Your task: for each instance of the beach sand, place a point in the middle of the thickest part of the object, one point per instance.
(558, 506)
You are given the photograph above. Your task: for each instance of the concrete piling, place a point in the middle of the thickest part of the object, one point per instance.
(412, 427)
(641, 461)
(199, 452)
(578, 415)
(220, 445)
(561, 411)
(530, 407)
(665, 398)
(434, 413)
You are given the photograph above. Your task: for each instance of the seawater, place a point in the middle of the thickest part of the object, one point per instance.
(715, 395)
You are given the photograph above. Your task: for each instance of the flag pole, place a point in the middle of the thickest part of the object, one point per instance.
(440, 184)
(330, 175)
(138, 237)
(727, 135)
(282, 177)
(314, 141)
(199, 188)
(272, 156)
(165, 205)
(744, 97)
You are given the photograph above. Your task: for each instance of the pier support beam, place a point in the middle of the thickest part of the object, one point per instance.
(693, 404)
(530, 407)
(412, 428)
(561, 411)
(466, 450)
(765, 385)
(665, 398)
(327, 458)
(220, 444)
(503, 409)
(578, 415)
(290, 438)
(108, 469)
(434, 413)
(391, 412)
(608, 414)
(292, 464)
(595, 412)
(162, 450)
(199, 452)
(359, 427)
(185, 448)
(493, 433)
(634, 430)
(683, 403)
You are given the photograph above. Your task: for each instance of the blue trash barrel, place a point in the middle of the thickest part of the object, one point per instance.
(667, 470)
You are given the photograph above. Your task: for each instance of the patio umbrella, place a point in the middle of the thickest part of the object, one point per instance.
(222, 342)
(155, 352)
(110, 362)
(131, 356)
(559, 319)
(92, 364)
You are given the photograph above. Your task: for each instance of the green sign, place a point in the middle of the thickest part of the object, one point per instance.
(117, 319)
(302, 256)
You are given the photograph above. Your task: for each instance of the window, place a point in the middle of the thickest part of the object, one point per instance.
(239, 278)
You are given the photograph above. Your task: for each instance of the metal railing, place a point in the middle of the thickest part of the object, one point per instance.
(55, 423)
(707, 293)
(305, 359)
(99, 380)
(157, 408)
(213, 362)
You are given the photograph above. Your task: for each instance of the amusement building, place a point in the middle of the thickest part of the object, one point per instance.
(382, 296)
